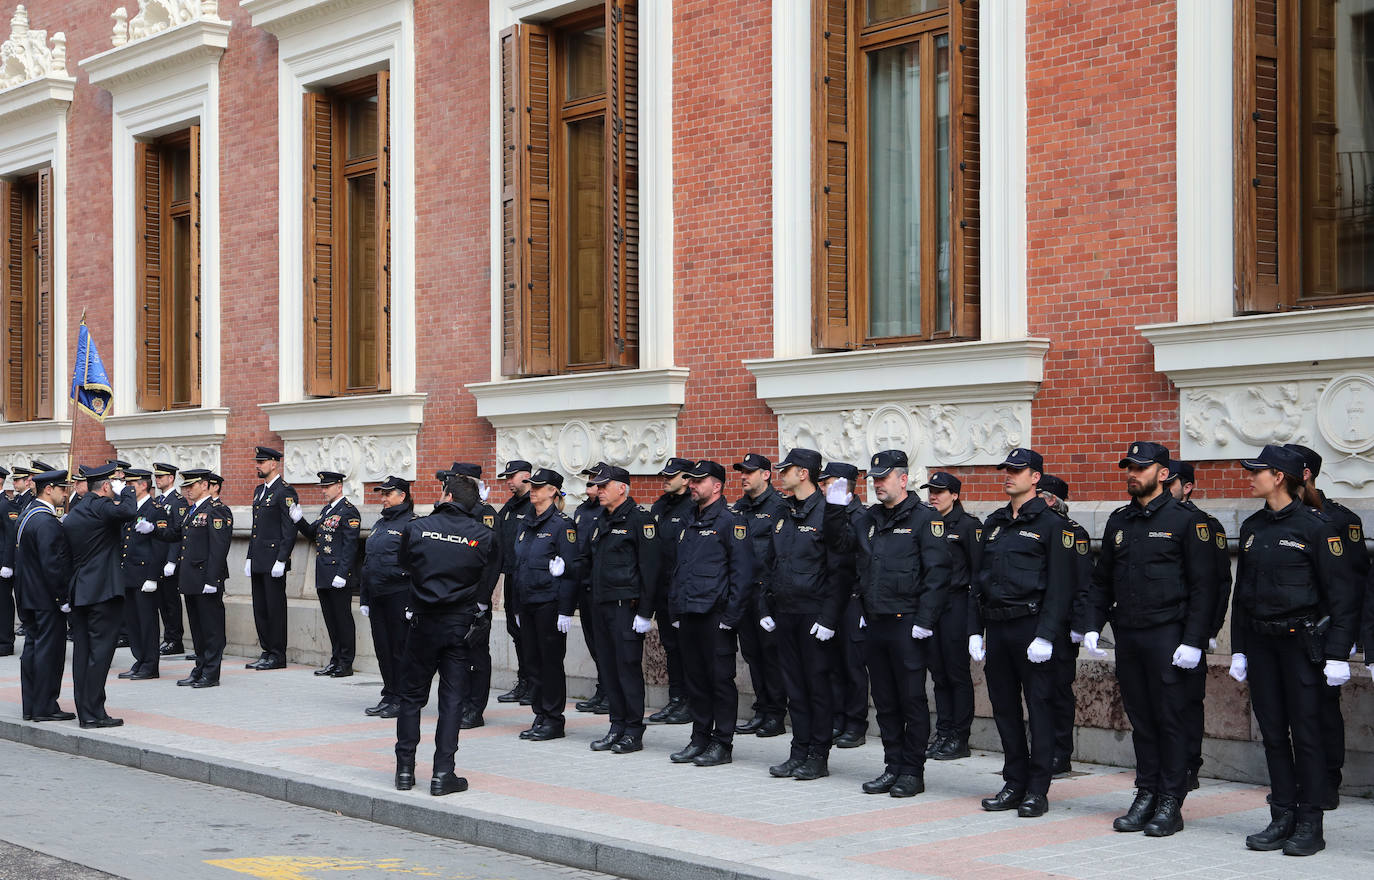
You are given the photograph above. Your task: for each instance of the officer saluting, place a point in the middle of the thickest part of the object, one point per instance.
(43, 569)
(335, 533)
(269, 558)
(141, 561)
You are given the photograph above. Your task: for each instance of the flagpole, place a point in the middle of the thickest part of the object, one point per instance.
(71, 447)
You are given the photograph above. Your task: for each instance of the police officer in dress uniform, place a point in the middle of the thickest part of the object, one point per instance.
(513, 514)
(710, 597)
(43, 569)
(141, 559)
(9, 520)
(586, 517)
(203, 535)
(1055, 492)
(453, 563)
(168, 592)
(1154, 581)
(20, 499)
(671, 511)
(849, 664)
(949, 662)
(1294, 616)
(385, 592)
(335, 533)
(269, 557)
(1023, 595)
(761, 506)
(624, 563)
(79, 488)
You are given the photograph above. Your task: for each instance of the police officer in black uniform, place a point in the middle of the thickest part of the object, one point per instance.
(624, 577)
(453, 564)
(335, 533)
(169, 596)
(512, 516)
(43, 569)
(1023, 596)
(671, 511)
(385, 592)
(269, 557)
(761, 506)
(1154, 581)
(141, 559)
(9, 520)
(949, 663)
(586, 517)
(849, 663)
(710, 596)
(1055, 492)
(1294, 616)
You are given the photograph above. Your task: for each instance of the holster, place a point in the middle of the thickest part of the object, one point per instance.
(1314, 639)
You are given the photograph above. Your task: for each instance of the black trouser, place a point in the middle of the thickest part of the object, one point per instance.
(547, 647)
(708, 670)
(591, 625)
(269, 614)
(805, 663)
(169, 606)
(949, 669)
(510, 600)
(95, 632)
(1197, 697)
(1286, 695)
(1155, 694)
(622, 661)
(1333, 735)
(671, 640)
(1065, 662)
(849, 671)
(336, 605)
(1010, 677)
(387, 616)
(43, 659)
(897, 673)
(205, 611)
(479, 671)
(140, 619)
(7, 613)
(436, 643)
(760, 652)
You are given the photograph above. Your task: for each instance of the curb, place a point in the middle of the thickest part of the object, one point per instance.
(537, 840)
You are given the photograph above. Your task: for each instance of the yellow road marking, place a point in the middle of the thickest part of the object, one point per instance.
(305, 867)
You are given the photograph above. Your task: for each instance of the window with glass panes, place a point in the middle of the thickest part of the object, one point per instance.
(26, 230)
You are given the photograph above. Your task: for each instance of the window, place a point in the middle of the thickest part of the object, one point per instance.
(895, 129)
(168, 265)
(348, 239)
(569, 193)
(1304, 87)
(28, 285)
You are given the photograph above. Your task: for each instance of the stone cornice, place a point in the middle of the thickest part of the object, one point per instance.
(286, 17)
(172, 426)
(165, 53)
(617, 394)
(367, 413)
(45, 95)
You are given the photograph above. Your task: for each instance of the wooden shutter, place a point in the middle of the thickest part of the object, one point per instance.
(195, 347)
(16, 311)
(1265, 184)
(323, 364)
(43, 396)
(1321, 178)
(622, 154)
(966, 177)
(526, 202)
(833, 306)
(152, 317)
(384, 230)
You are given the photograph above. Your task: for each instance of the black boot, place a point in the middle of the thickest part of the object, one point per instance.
(1307, 836)
(687, 754)
(604, 744)
(850, 739)
(771, 727)
(679, 713)
(1280, 828)
(1168, 818)
(950, 748)
(907, 785)
(1139, 815)
(814, 767)
(786, 768)
(405, 776)
(628, 742)
(472, 717)
(1009, 798)
(514, 694)
(881, 784)
(716, 753)
(447, 783)
(661, 716)
(589, 704)
(1193, 783)
(750, 726)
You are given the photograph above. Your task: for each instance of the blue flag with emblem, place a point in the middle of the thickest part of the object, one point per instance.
(90, 383)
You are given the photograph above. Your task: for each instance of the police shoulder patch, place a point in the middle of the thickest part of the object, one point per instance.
(489, 521)
(1203, 533)
(1335, 546)
(1221, 540)
(740, 532)
(937, 528)
(1082, 546)
(217, 523)
(572, 536)
(1355, 534)
(1066, 536)
(354, 523)
(977, 534)
(649, 531)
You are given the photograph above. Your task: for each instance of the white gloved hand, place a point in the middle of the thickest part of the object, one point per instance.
(1370, 670)
(768, 624)
(976, 651)
(557, 566)
(838, 491)
(677, 624)
(1187, 657)
(517, 619)
(920, 632)
(210, 588)
(1337, 672)
(1090, 642)
(410, 614)
(364, 610)
(65, 608)
(724, 627)
(482, 491)
(1212, 646)
(1039, 651)
(150, 586)
(294, 511)
(822, 633)
(247, 568)
(641, 624)
(169, 569)
(278, 568)
(482, 608)
(1237, 670)
(143, 527)
(862, 623)
(338, 582)
(117, 486)
(1354, 649)
(6, 571)
(564, 623)
(1075, 637)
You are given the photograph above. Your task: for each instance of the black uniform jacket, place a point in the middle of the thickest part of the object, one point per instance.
(93, 531)
(904, 560)
(273, 533)
(335, 533)
(541, 537)
(1080, 613)
(1221, 570)
(384, 573)
(1157, 566)
(203, 533)
(1351, 529)
(625, 556)
(1292, 566)
(801, 574)
(1028, 560)
(586, 517)
(513, 515)
(761, 515)
(714, 566)
(175, 505)
(964, 533)
(42, 560)
(141, 557)
(10, 511)
(671, 513)
(452, 559)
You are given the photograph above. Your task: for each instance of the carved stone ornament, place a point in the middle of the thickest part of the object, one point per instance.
(639, 446)
(54, 455)
(159, 15)
(361, 459)
(26, 54)
(931, 434)
(183, 455)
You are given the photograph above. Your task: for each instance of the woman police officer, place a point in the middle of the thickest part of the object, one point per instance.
(386, 590)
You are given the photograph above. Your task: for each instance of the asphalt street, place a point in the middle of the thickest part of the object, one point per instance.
(80, 819)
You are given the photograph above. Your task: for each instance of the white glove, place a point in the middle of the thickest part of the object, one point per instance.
(641, 624)
(1186, 657)
(1212, 646)
(1237, 670)
(517, 619)
(169, 569)
(481, 607)
(410, 614)
(294, 511)
(150, 586)
(564, 623)
(117, 486)
(365, 610)
(862, 623)
(338, 582)
(1337, 672)
(1076, 637)
(1370, 670)
(209, 588)
(822, 633)
(976, 652)
(838, 491)
(247, 568)
(1039, 651)
(278, 568)
(6, 571)
(768, 624)
(677, 624)
(143, 527)
(65, 608)
(557, 566)
(920, 632)
(1354, 649)
(482, 490)
(1090, 642)
(724, 627)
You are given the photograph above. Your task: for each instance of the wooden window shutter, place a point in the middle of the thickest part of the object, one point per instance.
(16, 308)
(965, 176)
(832, 304)
(43, 397)
(152, 316)
(195, 348)
(622, 79)
(1320, 162)
(384, 230)
(526, 202)
(323, 365)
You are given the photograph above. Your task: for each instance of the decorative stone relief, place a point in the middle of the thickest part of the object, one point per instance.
(183, 455)
(26, 55)
(639, 446)
(159, 15)
(53, 455)
(931, 434)
(360, 458)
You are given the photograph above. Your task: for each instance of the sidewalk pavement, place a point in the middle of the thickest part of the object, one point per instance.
(290, 735)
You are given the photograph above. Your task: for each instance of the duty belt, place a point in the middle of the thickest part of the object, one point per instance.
(1285, 627)
(1011, 612)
